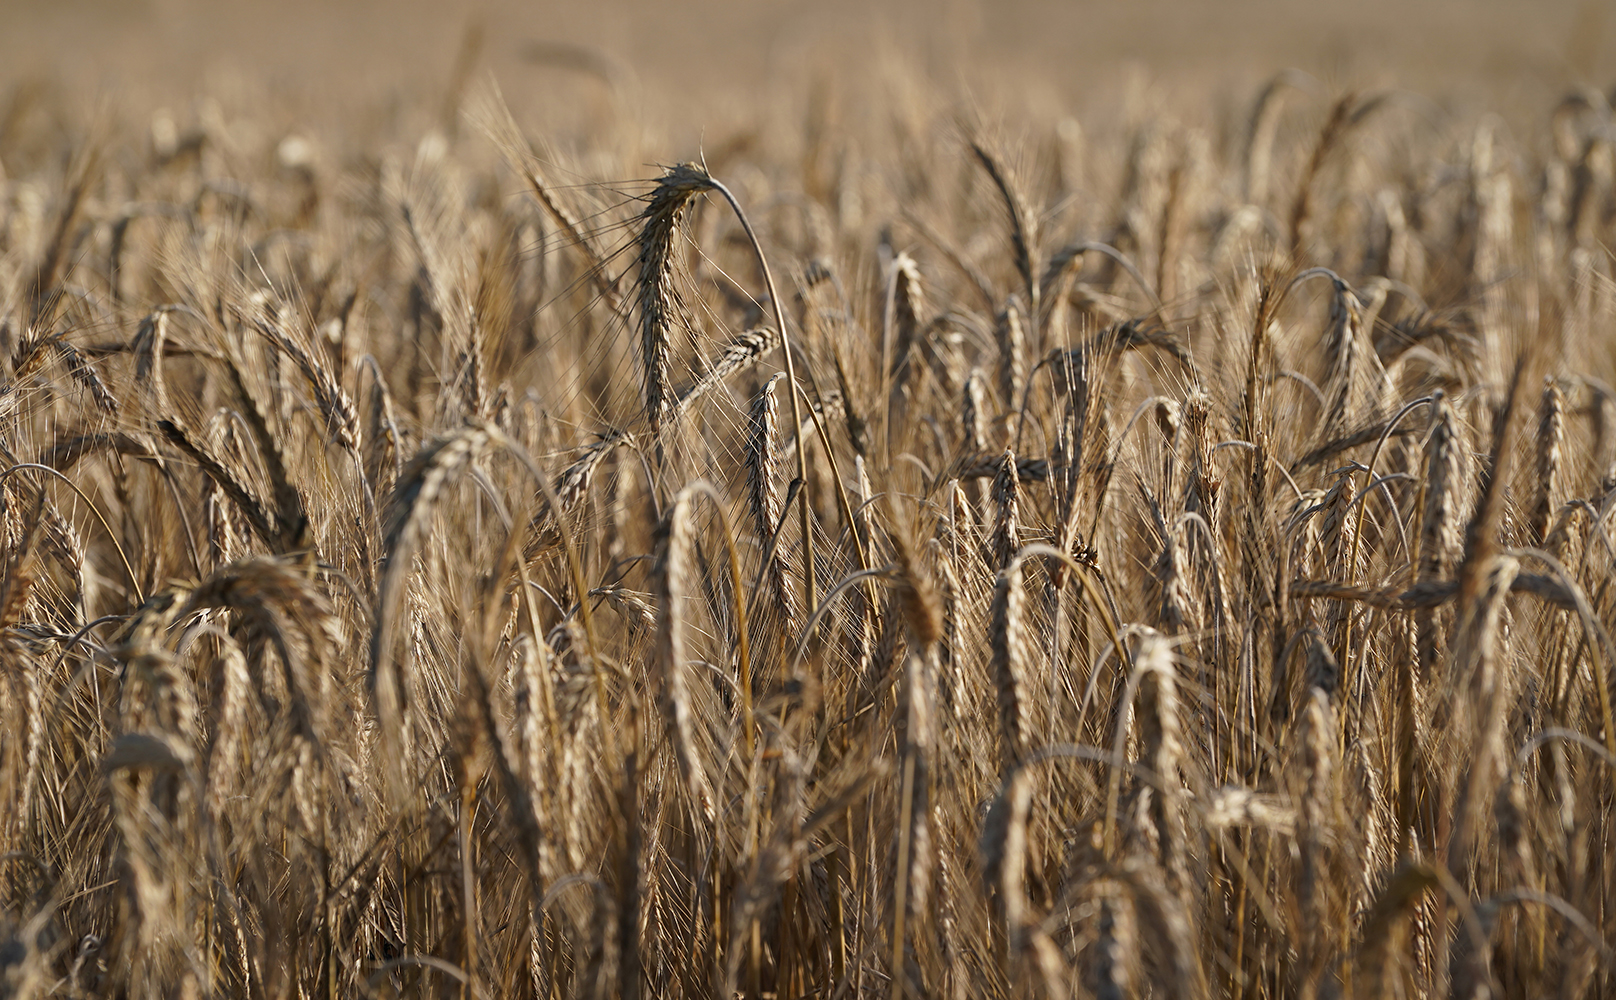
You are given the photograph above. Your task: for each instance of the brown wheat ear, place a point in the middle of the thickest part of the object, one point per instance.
(661, 302)
(1008, 642)
(767, 505)
(673, 577)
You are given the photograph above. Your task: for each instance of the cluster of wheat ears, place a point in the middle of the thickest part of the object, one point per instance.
(897, 560)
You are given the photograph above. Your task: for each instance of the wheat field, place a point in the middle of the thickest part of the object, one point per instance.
(909, 551)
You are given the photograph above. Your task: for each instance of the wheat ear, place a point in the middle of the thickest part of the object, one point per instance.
(672, 581)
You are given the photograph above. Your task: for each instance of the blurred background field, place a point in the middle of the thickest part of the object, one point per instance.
(698, 62)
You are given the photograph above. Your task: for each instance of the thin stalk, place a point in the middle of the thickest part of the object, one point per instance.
(803, 516)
